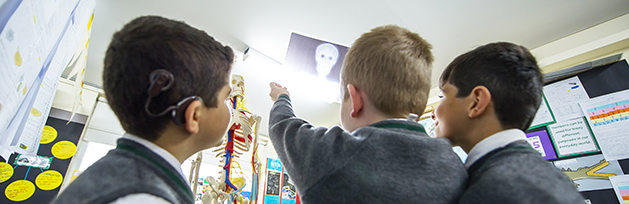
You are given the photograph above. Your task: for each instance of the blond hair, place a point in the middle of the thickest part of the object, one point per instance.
(392, 65)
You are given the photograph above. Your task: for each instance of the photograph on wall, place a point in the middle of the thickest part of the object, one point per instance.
(540, 141)
(273, 182)
(289, 192)
(590, 172)
(316, 57)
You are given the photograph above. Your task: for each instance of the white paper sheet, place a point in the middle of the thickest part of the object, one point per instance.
(608, 115)
(563, 98)
(28, 141)
(19, 62)
(543, 115)
(24, 111)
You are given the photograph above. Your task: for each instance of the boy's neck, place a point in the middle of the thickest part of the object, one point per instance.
(176, 142)
(370, 115)
(479, 132)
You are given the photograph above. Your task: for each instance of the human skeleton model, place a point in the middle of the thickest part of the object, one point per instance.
(326, 56)
(196, 165)
(241, 136)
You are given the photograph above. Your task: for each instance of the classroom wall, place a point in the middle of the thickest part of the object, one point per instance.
(64, 101)
(606, 39)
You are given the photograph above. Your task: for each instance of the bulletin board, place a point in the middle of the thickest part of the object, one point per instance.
(38, 41)
(38, 180)
(564, 133)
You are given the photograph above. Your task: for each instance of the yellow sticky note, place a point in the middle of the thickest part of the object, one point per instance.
(63, 149)
(49, 180)
(6, 171)
(19, 190)
(48, 135)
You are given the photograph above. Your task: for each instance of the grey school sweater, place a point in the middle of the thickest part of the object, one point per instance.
(518, 174)
(130, 168)
(392, 161)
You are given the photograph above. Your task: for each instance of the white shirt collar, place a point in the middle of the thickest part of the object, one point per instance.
(495, 141)
(172, 160)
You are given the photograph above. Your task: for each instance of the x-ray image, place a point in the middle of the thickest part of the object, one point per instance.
(316, 57)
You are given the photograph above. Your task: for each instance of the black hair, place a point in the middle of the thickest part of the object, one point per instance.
(511, 74)
(200, 66)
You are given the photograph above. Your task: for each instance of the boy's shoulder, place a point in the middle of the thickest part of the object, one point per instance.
(517, 161)
(518, 174)
(122, 173)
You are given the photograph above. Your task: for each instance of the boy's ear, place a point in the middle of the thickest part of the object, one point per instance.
(480, 100)
(357, 101)
(192, 117)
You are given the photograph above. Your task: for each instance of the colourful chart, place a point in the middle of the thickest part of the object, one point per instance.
(624, 192)
(610, 113)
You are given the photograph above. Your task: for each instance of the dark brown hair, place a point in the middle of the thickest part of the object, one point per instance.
(510, 73)
(200, 66)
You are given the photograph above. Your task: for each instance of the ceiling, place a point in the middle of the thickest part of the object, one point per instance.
(452, 27)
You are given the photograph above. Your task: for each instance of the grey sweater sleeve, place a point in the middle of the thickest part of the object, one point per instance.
(308, 153)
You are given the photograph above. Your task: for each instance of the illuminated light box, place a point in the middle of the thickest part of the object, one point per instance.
(316, 57)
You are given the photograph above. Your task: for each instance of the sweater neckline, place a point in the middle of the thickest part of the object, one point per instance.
(416, 128)
(168, 172)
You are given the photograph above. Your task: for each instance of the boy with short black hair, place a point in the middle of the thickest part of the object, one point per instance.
(379, 156)
(490, 96)
(167, 82)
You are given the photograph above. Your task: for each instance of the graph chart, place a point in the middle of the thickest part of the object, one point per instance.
(609, 113)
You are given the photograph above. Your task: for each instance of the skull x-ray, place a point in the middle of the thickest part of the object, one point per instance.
(316, 57)
(326, 56)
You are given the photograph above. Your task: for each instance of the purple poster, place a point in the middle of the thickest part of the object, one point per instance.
(541, 142)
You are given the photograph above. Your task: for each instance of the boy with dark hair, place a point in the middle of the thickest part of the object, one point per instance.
(490, 96)
(379, 156)
(167, 82)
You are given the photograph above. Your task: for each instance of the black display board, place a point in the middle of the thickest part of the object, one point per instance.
(600, 81)
(606, 79)
(66, 132)
(603, 80)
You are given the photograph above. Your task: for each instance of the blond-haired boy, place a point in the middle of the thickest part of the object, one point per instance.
(378, 156)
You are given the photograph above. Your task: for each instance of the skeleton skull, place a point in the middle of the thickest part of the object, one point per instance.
(238, 85)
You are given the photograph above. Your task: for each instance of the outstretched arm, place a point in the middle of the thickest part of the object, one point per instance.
(308, 153)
